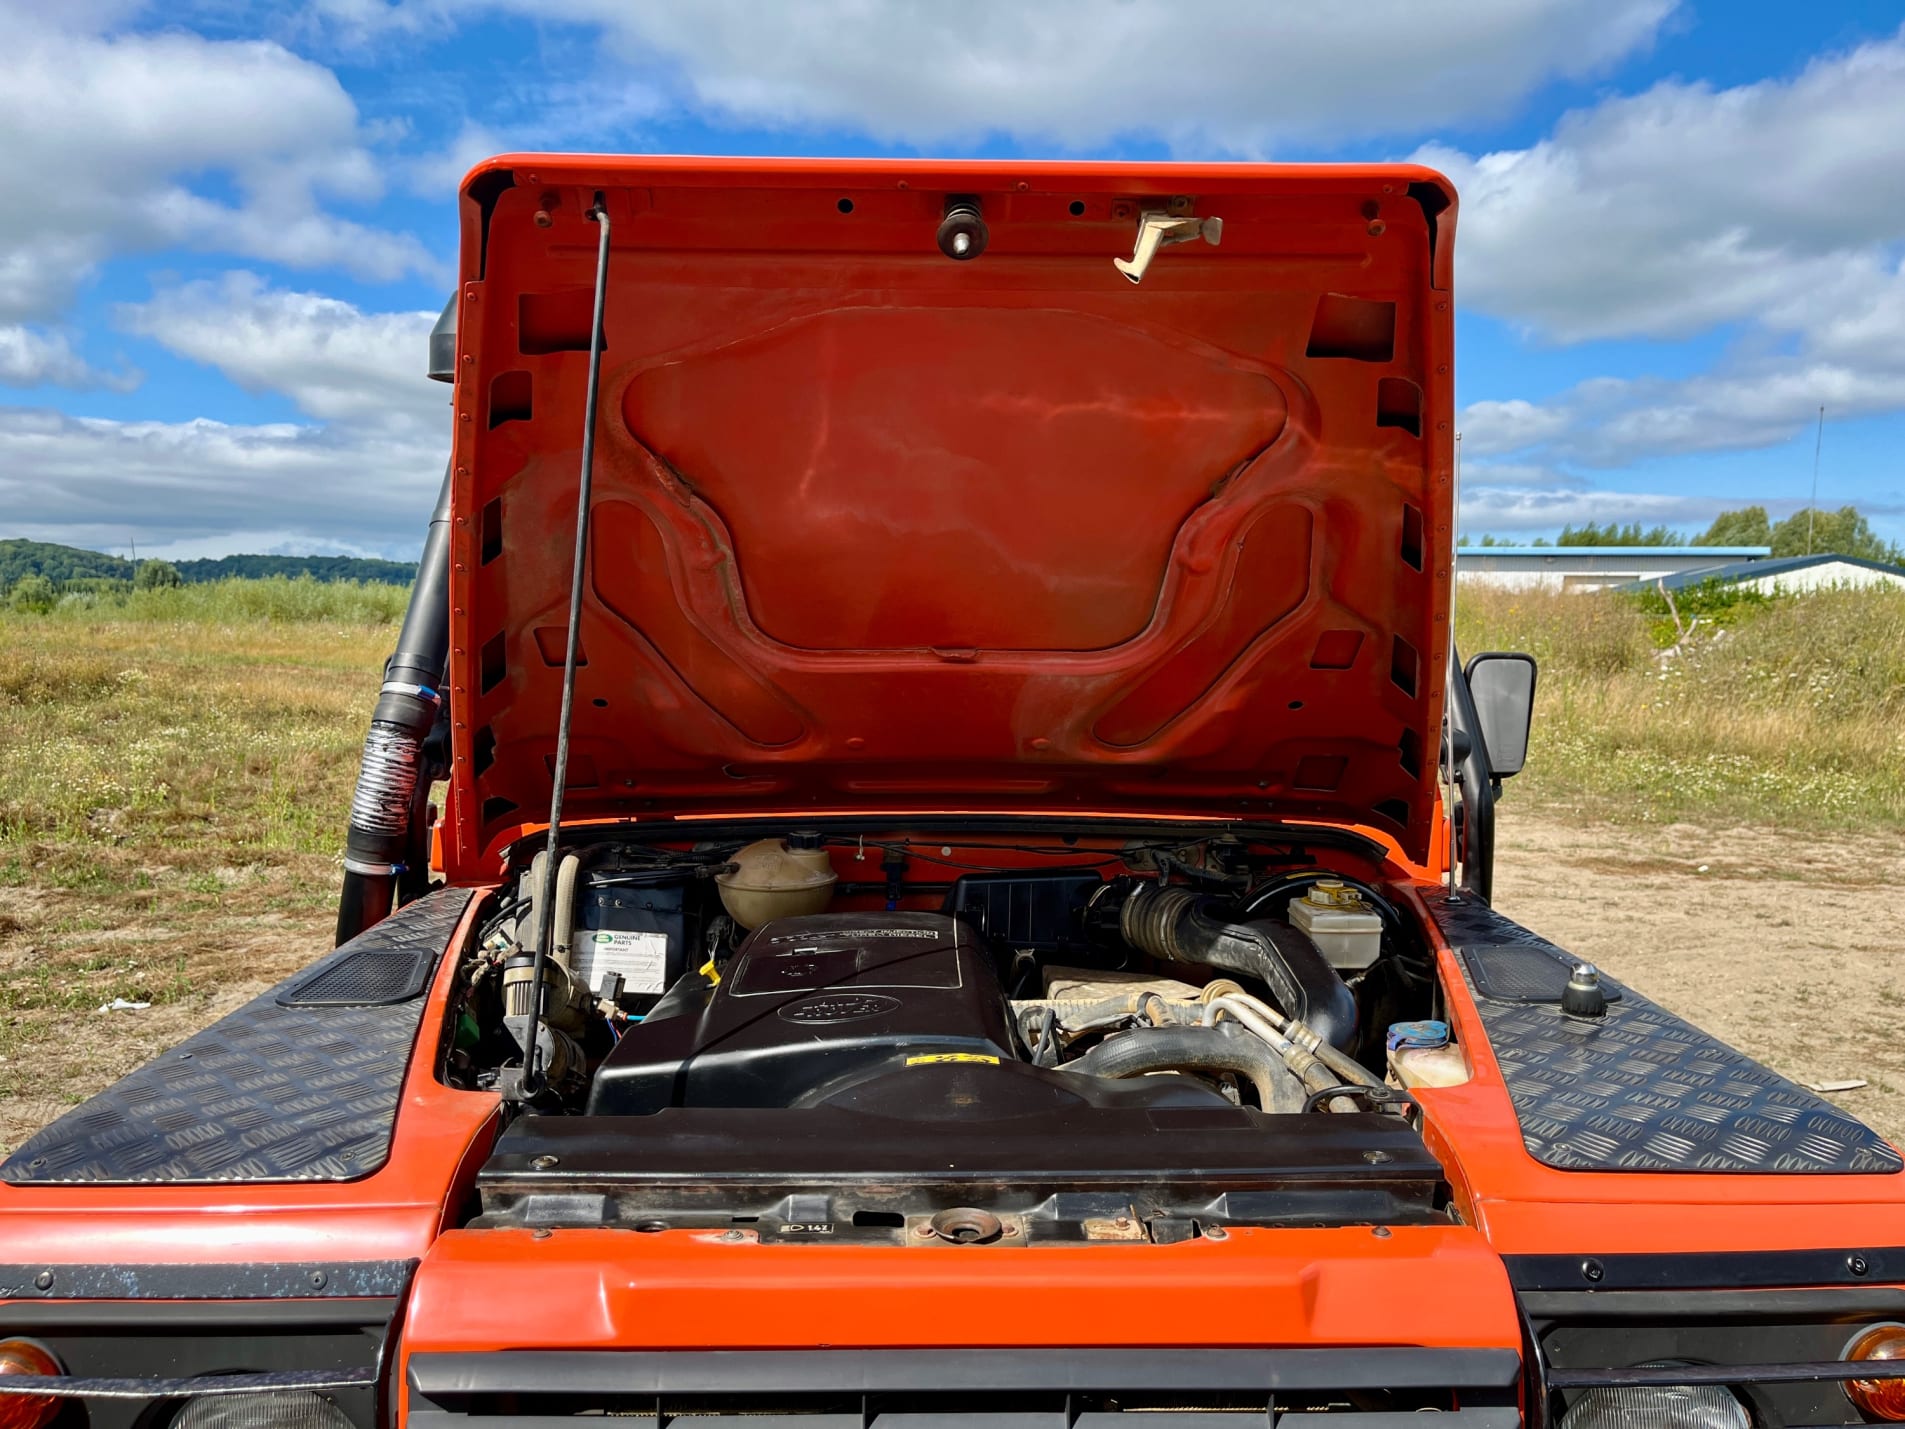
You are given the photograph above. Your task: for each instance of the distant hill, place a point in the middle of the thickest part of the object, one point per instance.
(318, 568)
(61, 564)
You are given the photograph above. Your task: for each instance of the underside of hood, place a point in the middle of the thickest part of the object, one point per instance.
(879, 529)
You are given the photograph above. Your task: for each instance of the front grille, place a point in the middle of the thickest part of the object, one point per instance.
(987, 1389)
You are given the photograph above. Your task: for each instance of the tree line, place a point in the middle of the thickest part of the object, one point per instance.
(69, 568)
(1844, 532)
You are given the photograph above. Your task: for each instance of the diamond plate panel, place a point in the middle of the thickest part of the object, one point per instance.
(1642, 1090)
(270, 1093)
(1523, 972)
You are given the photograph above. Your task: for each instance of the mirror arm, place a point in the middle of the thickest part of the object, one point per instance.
(1479, 789)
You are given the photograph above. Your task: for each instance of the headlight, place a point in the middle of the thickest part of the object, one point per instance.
(279, 1409)
(27, 1411)
(1679, 1406)
(1878, 1398)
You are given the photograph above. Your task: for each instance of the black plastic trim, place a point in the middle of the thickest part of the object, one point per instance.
(1717, 1270)
(201, 1317)
(312, 1280)
(1649, 1376)
(1582, 1307)
(582, 1372)
(194, 1386)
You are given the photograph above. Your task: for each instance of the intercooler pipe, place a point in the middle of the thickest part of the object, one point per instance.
(1176, 924)
(1217, 1049)
(394, 776)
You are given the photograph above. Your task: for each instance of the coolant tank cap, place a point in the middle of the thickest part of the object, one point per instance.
(1424, 1035)
(1333, 893)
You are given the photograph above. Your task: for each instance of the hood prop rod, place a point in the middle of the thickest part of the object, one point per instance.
(532, 1081)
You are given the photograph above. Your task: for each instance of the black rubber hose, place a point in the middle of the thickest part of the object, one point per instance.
(381, 840)
(1224, 1048)
(1400, 936)
(1178, 925)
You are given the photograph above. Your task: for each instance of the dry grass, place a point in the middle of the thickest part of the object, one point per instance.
(172, 802)
(1794, 713)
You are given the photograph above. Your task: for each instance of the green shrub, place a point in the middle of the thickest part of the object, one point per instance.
(1712, 602)
(33, 595)
(239, 599)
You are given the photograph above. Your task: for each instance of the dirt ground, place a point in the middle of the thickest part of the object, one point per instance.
(1786, 946)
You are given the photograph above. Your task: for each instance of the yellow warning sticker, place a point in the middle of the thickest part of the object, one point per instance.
(935, 1058)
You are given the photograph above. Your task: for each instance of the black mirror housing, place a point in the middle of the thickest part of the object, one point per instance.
(1502, 684)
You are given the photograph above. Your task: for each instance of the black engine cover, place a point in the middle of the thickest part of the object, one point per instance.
(808, 1007)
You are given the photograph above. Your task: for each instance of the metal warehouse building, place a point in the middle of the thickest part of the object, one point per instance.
(1791, 575)
(1594, 567)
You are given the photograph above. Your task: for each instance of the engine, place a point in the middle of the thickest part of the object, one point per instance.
(824, 1037)
(809, 1008)
(841, 1009)
(746, 977)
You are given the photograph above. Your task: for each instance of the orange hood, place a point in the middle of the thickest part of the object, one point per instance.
(876, 529)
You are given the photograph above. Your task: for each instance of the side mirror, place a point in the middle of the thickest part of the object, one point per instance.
(1502, 685)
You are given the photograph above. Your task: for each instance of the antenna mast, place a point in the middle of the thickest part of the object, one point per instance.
(1812, 507)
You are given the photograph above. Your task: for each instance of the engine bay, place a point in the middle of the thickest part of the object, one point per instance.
(832, 1028)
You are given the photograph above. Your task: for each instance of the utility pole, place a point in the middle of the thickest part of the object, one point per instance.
(1812, 508)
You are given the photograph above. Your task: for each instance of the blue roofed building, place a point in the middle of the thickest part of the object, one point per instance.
(1581, 568)
(1788, 575)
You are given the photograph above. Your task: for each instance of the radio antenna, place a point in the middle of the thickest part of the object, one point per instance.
(1812, 507)
(532, 1072)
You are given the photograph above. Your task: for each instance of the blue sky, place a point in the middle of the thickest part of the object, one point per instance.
(229, 226)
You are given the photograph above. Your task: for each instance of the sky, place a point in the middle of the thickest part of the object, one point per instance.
(228, 227)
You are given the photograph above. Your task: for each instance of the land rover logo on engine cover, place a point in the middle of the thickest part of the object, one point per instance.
(840, 1007)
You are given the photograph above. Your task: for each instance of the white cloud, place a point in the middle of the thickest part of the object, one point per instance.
(438, 173)
(1493, 427)
(32, 358)
(137, 142)
(1510, 507)
(337, 363)
(1847, 356)
(101, 483)
(361, 476)
(1664, 213)
(1230, 76)
(1775, 208)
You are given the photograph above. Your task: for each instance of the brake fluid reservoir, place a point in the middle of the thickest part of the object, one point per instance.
(1345, 929)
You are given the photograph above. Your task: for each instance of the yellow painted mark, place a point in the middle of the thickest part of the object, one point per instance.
(935, 1058)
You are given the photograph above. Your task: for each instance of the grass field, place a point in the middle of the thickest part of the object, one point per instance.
(175, 771)
(1789, 711)
(173, 784)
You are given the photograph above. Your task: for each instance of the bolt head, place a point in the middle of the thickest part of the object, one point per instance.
(1592, 1270)
(1216, 1233)
(543, 1163)
(1857, 1264)
(44, 1280)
